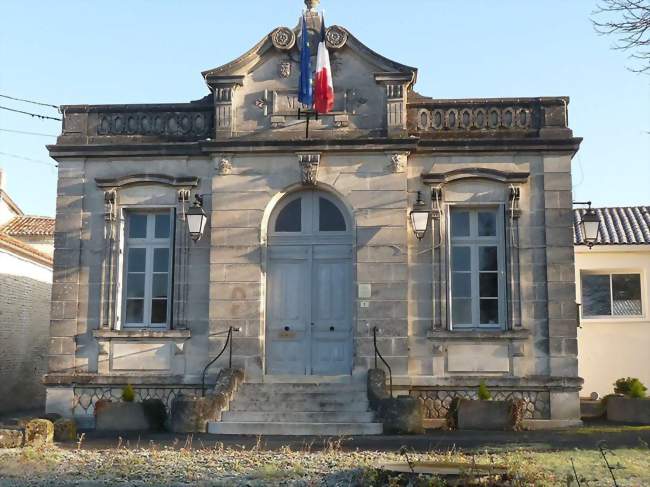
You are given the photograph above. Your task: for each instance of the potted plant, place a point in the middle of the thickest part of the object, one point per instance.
(628, 404)
(486, 413)
(128, 415)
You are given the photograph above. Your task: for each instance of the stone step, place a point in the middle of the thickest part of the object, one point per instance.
(308, 379)
(295, 429)
(298, 417)
(280, 397)
(334, 388)
(300, 404)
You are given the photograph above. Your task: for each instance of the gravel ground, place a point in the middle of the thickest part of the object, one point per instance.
(188, 464)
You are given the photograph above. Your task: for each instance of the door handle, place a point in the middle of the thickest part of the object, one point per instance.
(312, 324)
(287, 328)
(331, 328)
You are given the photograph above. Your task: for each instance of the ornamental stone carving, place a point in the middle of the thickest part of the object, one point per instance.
(398, 162)
(309, 168)
(178, 123)
(312, 4)
(335, 37)
(283, 38)
(285, 69)
(224, 166)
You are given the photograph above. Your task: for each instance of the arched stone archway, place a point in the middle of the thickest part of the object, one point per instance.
(309, 286)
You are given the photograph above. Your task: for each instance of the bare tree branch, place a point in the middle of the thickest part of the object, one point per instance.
(629, 21)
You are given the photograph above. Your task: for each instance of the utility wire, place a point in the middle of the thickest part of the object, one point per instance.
(29, 113)
(26, 133)
(30, 101)
(29, 159)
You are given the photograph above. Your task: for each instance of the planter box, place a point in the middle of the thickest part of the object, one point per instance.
(625, 410)
(121, 416)
(484, 415)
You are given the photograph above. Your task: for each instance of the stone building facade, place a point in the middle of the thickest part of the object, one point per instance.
(308, 245)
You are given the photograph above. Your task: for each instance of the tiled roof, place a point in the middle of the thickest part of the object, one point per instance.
(25, 250)
(618, 226)
(29, 225)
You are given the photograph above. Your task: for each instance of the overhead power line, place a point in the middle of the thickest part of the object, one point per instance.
(29, 159)
(30, 101)
(26, 133)
(30, 113)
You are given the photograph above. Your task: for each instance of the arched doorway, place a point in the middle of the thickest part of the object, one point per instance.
(309, 284)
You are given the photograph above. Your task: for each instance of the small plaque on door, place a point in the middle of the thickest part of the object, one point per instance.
(287, 334)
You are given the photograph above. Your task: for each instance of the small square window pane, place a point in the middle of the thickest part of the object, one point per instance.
(289, 219)
(461, 311)
(626, 294)
(488, 258)
(487, 224)
(330, 218)
(459, 223)
(461, 285)
(161, 260)
(489, 311)
(137, 260)
(135, 286)
(489, 285)
(159, 286)
(137, 226)
(134, 310)
(162, 226)
(159, 311)
(460, 258)
(596, 299)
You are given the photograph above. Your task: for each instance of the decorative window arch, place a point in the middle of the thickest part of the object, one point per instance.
(310, 212)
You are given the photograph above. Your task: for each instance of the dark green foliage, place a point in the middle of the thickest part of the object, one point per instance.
(630, 387)
(484, 393)
(128, 393)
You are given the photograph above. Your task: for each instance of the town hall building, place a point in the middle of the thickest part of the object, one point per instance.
(310, 246)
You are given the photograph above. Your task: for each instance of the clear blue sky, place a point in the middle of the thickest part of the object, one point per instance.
(143, 51)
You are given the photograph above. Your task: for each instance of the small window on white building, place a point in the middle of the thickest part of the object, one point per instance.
(611, 295)
(477, 268)
(147, 269)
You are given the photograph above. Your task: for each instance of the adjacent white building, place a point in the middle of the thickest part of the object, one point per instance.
(26, 246)
(613, 290)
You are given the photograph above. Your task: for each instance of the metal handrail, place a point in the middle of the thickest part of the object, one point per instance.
(378, 354)
(228, 342)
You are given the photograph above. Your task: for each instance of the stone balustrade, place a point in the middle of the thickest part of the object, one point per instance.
(516, 115)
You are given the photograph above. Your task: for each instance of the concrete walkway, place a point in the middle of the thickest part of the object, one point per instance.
(615, 437)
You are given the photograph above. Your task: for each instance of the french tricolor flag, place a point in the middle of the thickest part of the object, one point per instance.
(323, 84)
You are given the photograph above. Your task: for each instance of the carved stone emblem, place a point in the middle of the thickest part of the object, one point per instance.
(309, 168)
(224, 166)
(312, 4)
(285, 69)
(398, 162)
(283, 38)
(336, 37)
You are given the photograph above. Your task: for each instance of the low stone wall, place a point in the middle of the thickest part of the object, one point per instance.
(400, 415)
(437, 401)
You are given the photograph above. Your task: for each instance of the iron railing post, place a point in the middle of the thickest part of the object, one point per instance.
(378, 354)
(225, 345)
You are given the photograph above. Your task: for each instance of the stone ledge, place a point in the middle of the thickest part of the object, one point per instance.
(479, 335)
(101, 380)
(142, 334)
(540, 383)
(550, 424)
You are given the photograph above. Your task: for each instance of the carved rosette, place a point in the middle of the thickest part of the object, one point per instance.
(336, 37)
(398, 162)
(283, 38)
(309, 168)
(224, 166)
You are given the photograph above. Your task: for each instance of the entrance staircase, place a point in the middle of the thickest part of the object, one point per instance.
(298, 409)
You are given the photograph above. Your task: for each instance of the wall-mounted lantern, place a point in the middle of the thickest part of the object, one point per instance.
(196, 218)
(589, 224)
(419, 217)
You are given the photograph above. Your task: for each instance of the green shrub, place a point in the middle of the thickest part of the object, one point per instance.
(128, 393)
(484, 393)
(630, 387)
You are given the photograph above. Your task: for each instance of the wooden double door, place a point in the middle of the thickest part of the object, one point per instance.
(309, 299)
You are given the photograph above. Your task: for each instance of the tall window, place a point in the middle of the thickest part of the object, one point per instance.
(147, 269)
(611, 295)
(477, 268)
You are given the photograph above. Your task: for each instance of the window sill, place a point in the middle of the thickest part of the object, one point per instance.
(142, 334)
(479, 335)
